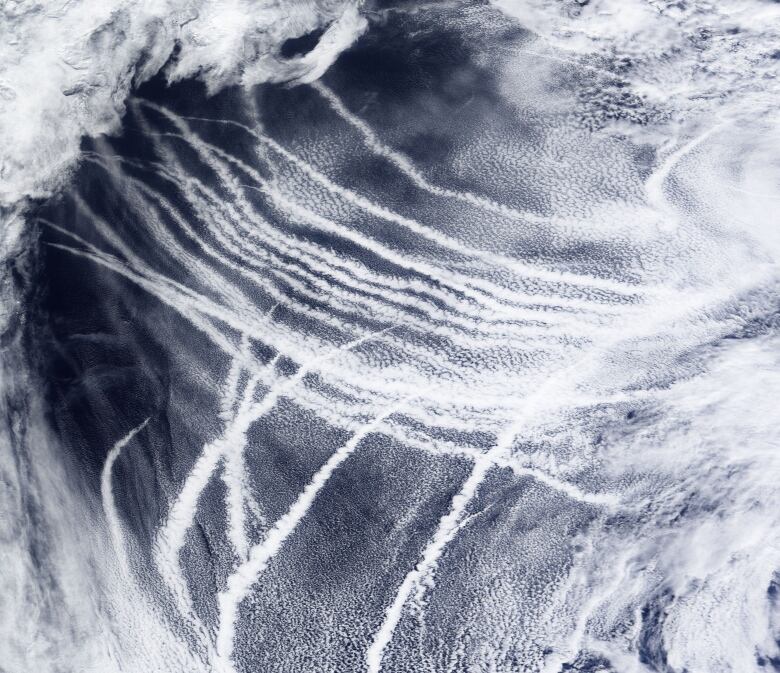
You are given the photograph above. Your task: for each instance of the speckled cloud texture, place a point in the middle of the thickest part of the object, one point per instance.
(445, 342)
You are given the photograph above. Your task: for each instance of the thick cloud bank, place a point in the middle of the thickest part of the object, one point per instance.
(681, 58)
(66, 68)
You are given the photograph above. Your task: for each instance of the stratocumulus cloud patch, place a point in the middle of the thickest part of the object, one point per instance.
(389, 338)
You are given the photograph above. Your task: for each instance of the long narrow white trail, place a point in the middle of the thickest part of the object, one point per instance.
(420, 575)
(381, 212)
(404, 164)
(240, 583)
(107, 495)
(172, 534)
(234, 475)
(139, 616)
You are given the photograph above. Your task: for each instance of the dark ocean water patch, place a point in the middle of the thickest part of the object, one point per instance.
(652, 651)
(298, 321)
(588, 662)
(324, 598)
(415, 77)
(106, 355)
(759, 316)
(600, 259)
(284, 450)
(768, 663)
(292, 115)
(207, 555)
(299, 46)
(378, 180)
(409, 54)
(95, 367)
(476, 438)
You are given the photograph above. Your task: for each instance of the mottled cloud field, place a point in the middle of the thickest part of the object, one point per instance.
(458, 355)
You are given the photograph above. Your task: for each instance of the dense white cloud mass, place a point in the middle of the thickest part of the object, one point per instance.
(66, 68)
(682, 57)
(697, 81)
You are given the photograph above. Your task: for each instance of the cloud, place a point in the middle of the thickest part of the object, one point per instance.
(66, 71)
(686, 58)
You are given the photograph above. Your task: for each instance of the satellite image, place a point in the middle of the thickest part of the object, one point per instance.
(385, 336)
